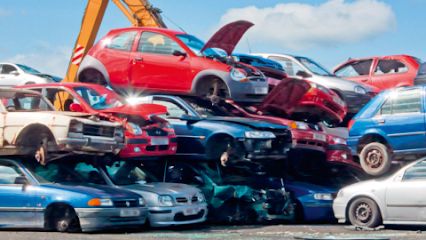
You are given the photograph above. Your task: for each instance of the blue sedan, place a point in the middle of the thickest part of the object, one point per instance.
(53, 198)
(390, 127)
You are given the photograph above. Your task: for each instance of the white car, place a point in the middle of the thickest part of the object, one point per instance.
(17, 74)
(396, 199)
(30, 126)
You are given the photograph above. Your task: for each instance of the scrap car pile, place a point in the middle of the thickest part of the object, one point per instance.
(164, 129)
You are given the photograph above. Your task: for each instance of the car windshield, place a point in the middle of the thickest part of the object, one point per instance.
(130, 172)
(313, 66)
(24, 102)
(28, 69)
(196, 45)
(99, 99)
(205, 108)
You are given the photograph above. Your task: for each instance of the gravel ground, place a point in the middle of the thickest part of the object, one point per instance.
(234, 233)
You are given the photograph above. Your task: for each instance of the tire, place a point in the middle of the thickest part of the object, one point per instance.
(212, 88)
(364, 212)
(375, 158)
(92, 76)
(62, 218)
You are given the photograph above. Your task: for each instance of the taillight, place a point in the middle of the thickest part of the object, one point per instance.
(350, 124)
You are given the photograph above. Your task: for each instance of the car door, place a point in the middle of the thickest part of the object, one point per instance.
(9, 75)
(390, 73)
(402, 119)
(17, 206)
(359, 71)
(116, 57)
(406, 195)
(154, 65)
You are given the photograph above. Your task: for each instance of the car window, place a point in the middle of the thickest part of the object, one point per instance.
(173, 109)
(7, 69)
(416, 172)
(24, 101)
(9, 173)
(157, 43)
(122, 41)
(99, 99)
(390, 67)
(290, 67)
(60, 99)
(128, 173)
(354, 69)
(182, 173)
(408, 101)
(89, 172)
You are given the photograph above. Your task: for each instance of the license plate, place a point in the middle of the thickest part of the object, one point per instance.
(261, 90)
(320, 137)
(159, 141)
(129, 213)
(339, 101)
(190, 211)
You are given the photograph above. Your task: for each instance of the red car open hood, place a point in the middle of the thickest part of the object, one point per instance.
(228, 36)
(144, 109)
(285, 96)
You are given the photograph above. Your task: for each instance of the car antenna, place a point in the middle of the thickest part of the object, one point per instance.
(174, 23)
(248, 45)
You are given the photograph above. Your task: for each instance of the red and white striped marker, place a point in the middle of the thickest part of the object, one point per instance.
(78, 55)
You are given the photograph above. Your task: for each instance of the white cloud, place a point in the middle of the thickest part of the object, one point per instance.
(301, 26)
(51, 60)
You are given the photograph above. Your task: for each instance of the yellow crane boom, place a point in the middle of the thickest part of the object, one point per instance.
(139, 12)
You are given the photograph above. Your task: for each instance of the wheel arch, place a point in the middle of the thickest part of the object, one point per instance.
(30, 130)
(372, 137)
(215, 137)
(50, 209)
(209, 74)
(91, 63)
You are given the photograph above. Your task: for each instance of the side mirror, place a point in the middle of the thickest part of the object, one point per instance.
(14, 73)
(190, 119)
(75, 107)
(21, 180)
(179, 53)
(303, 74)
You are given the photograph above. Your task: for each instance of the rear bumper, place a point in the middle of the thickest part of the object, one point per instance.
(141, 147)
(178, 215)
(93, 219)
(90, 144)
(326, 106)
(340, 153)
(309, 140)
(253, 90)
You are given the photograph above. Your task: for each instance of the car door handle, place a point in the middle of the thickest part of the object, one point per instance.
(381, 121)
(364, 80)
(137, 59)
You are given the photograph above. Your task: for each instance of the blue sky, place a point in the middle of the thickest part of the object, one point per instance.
(42, 33)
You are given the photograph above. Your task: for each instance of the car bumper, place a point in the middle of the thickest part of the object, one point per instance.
(94, 219)
(178, 215)
(318, 211)
(90, 144)
(253, 90)
(308, 140)
(353, 144)
(141, 147)
(355, 101)
(339, 210)
(340, 153)
(326, 106)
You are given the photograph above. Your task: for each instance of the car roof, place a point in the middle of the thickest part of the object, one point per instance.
(5, 89)
(62, 84)
(163, 30)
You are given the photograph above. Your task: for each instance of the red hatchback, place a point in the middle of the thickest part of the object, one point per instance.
(381, 72)
(164, 60)
(146, 133)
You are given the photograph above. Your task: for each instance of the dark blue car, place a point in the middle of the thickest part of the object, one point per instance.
(390, 127)
(53, 197)
(205, 131)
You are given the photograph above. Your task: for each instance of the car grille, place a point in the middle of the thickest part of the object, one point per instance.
(156, 132)
(257, 79)
(125, 203)
(157, 148)
(180, 217)
(100, 131)
(183, 200)
(312, 143)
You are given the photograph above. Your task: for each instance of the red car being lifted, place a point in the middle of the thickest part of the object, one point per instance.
(146, 134)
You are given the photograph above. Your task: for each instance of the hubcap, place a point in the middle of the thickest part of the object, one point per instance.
(374, 158)
(363, 213)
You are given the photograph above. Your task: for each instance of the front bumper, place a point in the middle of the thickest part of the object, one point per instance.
(177, 215)
(318, 211)
(339, 209)
(142, 147)
(94, 219)
(253, 90)
(90, 144)
(355, 101)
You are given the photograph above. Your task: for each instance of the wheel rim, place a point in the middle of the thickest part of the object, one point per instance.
(363, 213)
(374, 158)
(62, 225)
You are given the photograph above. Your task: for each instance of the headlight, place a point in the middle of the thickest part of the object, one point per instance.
(165, 200)
(141, 202)
(299, 125)
(134, 128)
(76, 126)
(200, 197)
(323, 196)
(319, 87)
(259, 134)
(237, 74)
(360, 90)
(100, 202)
(338, 140)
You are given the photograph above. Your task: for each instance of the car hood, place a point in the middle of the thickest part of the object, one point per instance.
(145, 110)
(285, 96)
(253, 123)
(100, 191)
(228, 36)
(163, 188)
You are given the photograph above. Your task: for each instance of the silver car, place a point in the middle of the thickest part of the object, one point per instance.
(396, 199)
(168, 203)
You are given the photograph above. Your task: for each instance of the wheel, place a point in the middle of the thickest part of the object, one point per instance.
(62, 218)
(214, 88)
(92, 76)
(364, 212)
(375, 159)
